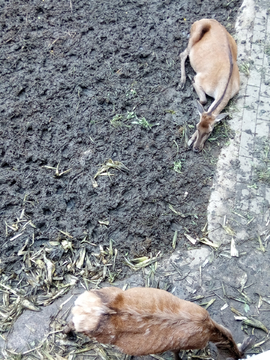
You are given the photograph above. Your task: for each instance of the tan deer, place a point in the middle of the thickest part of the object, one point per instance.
(212, 53)
(143, 321)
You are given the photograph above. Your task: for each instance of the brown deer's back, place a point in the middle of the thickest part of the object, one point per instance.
(146, 320)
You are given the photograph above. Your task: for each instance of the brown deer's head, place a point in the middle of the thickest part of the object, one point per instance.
(204, 128)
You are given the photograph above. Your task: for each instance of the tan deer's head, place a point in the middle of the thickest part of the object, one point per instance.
(204, 128)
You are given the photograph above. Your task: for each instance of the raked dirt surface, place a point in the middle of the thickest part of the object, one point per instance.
(89, 81)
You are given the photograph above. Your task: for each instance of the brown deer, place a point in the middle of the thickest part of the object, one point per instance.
(143, 321)
(212, 53)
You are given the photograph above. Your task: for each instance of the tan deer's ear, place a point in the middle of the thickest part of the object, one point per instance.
(199, 107)
(220, 117)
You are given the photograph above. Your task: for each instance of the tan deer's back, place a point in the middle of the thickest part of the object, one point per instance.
(212, 50)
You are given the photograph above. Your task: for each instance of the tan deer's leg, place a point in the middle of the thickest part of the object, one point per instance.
(199, 90)
(183, 57)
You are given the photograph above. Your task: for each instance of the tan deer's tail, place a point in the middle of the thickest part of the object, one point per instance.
(197, 31)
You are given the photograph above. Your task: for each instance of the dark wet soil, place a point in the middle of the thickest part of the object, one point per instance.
(75, 76)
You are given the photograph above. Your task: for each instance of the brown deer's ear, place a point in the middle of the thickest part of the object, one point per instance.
(199, 107)
(247, 343)
(220, 117)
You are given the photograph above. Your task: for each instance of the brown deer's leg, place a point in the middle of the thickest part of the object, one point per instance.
(176, 355)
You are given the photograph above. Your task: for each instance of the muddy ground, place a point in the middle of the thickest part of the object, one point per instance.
(68, 69)
(83, 82)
